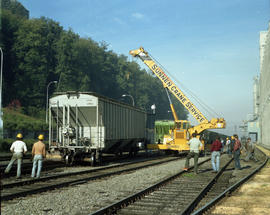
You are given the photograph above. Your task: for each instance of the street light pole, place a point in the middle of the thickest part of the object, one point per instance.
(47, 99)
(1, 112)
(133, 103)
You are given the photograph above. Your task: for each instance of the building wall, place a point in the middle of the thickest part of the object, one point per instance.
(264, 100)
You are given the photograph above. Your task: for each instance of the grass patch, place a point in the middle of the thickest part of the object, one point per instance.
(190, 175)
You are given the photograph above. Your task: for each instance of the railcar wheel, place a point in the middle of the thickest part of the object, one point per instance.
(93, 159)
(99, 157)
(66, 159)
(69, 159)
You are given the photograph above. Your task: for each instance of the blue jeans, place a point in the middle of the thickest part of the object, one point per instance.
(18, 157)
(229, 152)
(215, 158)
(236, 156)
(37, 160)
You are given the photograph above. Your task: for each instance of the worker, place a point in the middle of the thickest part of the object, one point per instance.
(250, 151)
(195, 146)
(232, 144)
(215, 156)
(228, 145)
(236, 152)
(222, 145)
(38, 154)
(18, 148)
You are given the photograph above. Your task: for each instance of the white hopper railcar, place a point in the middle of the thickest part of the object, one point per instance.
(85, 124)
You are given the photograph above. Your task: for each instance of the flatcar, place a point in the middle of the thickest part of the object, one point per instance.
(85, 124)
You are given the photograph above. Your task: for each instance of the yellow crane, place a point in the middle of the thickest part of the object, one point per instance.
(182, 131)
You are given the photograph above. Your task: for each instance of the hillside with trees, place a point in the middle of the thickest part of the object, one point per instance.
(38, 51)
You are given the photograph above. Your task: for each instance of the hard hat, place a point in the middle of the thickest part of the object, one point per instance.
(227, 138)
(19, 136)
(41, 137)
(232, 137)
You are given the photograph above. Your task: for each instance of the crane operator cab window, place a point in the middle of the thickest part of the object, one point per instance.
(186, 125)
(178, 125)
(182, 125)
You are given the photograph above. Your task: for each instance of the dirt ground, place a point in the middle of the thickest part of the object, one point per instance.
(251, 198)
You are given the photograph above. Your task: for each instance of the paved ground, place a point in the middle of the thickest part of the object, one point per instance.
(251, 198)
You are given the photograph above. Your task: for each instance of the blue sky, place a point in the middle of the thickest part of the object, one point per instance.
(210, 46)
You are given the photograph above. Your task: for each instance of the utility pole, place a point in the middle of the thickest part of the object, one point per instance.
(1, 111)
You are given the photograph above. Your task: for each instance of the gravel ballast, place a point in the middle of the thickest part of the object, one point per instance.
(89, 197)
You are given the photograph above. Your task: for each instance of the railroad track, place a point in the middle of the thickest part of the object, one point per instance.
(32, 186)
(53, 164)
(27, 167)
(183, 193)
(242, 178)
(8, 157)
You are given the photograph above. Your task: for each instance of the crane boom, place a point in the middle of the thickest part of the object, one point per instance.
(178, 138)
(169, 84)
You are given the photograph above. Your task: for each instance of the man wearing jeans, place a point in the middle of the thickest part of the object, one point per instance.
(18, 148)
(38, 152)
(195, 145)
(237, 152)
(215, 156)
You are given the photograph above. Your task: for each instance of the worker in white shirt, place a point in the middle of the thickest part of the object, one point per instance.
(18, 148)
(195, 146)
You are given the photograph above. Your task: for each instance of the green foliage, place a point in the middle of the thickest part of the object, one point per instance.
(38, 51)
(16, 121)
(5, 144)
(15, 7)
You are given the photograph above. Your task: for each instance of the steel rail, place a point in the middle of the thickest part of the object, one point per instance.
(230, 189)
(201, 195)
(78, 181)
(8, 157)
(126, 201)
(62, 175)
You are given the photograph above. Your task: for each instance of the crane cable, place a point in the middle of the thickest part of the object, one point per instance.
(207, 108)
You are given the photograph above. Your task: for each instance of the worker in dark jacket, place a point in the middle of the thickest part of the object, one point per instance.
(250, 151)
(215, 156)
(236, 152)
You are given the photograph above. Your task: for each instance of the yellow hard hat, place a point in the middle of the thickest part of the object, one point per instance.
(41, 137)
(19, 136)
(232, 137)
(227, 138)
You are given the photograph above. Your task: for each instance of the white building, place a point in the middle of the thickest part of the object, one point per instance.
(264, 89)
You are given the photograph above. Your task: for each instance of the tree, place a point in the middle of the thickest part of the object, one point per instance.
(66, 69)
(35, 50)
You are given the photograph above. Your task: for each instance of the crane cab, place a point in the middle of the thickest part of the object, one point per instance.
(176, 139)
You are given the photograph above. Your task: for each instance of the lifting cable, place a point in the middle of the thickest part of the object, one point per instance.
(208, 109)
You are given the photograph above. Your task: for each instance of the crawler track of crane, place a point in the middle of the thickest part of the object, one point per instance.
(32, 186)
(182, 193)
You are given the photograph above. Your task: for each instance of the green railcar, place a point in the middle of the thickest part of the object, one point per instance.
(162, 128)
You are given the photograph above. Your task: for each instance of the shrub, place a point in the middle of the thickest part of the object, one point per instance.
(5, 144)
